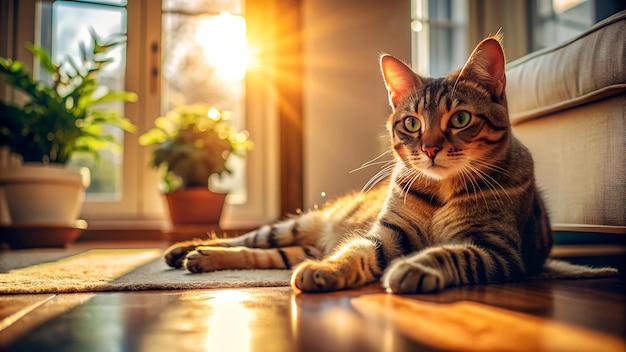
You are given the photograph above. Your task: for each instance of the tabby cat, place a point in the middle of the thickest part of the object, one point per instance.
(458, 204)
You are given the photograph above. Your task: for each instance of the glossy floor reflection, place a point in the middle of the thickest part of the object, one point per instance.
(586, 315)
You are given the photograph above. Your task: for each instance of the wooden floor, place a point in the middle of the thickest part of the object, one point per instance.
(585, 315)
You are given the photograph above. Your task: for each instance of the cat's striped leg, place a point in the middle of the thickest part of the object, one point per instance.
(206, 259)
(433, 269)
(289, 232)
(294, 231)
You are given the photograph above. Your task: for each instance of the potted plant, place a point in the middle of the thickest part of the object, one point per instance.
(193, 143)
(51, 121)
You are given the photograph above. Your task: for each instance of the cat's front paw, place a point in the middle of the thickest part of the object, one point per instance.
(407, 277)
(203, 260)
(315, 276)
(175, 255)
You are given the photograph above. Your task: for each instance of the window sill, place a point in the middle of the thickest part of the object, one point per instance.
(152, 230)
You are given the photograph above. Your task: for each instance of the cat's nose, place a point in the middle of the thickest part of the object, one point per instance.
(431, 150)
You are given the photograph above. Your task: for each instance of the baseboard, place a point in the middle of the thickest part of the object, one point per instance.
(573, 234)
(617, 230)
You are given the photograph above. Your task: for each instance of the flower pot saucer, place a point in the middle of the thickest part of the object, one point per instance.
(40, 235)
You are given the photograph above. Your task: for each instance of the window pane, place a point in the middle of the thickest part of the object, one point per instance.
(204, 61)
(71, 24)
(110, 2)
(438, 35)
(560, 20)
(203, 6)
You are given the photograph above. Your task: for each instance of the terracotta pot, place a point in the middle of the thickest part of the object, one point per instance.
(195, 206)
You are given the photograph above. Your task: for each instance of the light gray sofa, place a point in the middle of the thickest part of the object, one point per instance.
(567, 104)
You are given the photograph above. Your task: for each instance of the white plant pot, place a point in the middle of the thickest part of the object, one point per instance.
(36, 194)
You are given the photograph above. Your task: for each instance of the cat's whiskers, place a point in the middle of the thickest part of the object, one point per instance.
(386, 169)
(374, 162)
(493, 168)
(463, 171)
(489, 181)
(408, 175)
(379, 176)
(485, 163)
(407, 187)
(405, 174)
(456, 81)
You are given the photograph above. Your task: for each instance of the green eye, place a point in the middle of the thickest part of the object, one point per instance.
(460, 119)
(412, 124)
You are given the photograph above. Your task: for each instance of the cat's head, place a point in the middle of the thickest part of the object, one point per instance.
(449, 126)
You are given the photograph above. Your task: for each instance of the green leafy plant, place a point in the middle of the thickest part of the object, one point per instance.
(193, 142)
(67, 115)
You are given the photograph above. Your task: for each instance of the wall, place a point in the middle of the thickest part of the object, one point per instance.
(345, 100)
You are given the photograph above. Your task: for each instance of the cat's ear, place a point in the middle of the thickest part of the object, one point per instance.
(399, 78)
(486, 65)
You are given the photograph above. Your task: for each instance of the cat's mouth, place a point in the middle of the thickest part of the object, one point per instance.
(436, 171)
(432, 168)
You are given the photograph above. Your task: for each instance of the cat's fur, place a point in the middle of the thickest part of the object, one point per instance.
(457, 206)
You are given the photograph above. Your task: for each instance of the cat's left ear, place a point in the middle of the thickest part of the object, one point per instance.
(399, 79)
(486, 65)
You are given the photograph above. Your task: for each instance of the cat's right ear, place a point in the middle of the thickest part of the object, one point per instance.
(399, 78)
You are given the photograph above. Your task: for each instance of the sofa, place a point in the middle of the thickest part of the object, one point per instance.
(567, 104)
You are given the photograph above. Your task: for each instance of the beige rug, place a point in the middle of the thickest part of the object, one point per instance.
(96, 270)
(121, 270)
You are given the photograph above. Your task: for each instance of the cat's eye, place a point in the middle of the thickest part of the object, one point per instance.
(412, 124)
(460, 119)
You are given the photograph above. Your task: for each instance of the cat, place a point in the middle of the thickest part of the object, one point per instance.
(457, 205)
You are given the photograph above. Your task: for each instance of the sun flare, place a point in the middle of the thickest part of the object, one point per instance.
(223, 39)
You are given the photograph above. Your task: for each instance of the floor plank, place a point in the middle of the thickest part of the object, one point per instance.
(595, 304)
(568, 315)
(42, 315)
(561, 315)
(14, 307)
(474, 326)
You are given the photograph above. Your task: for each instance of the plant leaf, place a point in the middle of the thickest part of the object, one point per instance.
(42, 55)
(153, 136)
(116, 96)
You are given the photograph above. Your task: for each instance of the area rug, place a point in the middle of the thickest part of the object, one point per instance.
(123, 270)
(99, 270)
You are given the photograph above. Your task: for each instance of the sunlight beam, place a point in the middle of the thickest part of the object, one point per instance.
(223, 40)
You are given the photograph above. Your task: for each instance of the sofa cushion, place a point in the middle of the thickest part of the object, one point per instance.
(580, 164)
(568, 106)
(589, 67)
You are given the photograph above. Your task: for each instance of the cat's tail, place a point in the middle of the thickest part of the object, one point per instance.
(555, 269)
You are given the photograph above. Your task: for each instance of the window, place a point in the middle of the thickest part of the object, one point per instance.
(66, 24)
(444, 31)
(438, 36)
(204, 60)
(155, 63)
(556, 21)
(559, 20)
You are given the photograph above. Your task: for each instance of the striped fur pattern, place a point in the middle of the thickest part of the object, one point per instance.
(457, 205)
